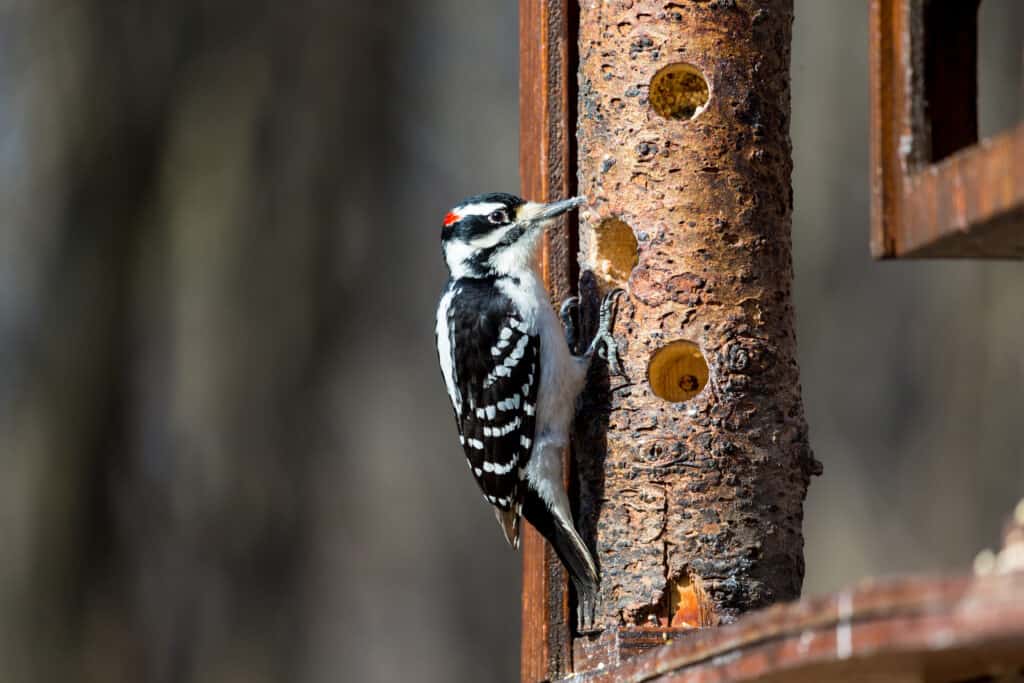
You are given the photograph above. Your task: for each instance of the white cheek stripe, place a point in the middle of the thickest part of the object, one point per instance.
(456, 254)
(477, 209)
(489, 240)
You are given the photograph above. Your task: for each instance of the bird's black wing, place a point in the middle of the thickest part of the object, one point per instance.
(496, 369)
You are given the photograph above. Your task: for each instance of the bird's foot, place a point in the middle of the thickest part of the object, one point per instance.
(604, 337)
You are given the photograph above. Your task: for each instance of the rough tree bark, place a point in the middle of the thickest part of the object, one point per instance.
(695, 469)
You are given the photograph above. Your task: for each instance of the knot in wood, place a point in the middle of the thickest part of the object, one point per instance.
(739, 359)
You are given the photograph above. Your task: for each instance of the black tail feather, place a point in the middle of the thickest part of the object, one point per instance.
(570, 550)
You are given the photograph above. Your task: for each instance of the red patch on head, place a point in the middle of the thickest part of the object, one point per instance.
(450, 218)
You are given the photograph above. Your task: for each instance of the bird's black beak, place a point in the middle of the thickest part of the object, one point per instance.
(533, 212)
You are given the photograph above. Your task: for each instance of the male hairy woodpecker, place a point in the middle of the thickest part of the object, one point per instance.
(511, 375)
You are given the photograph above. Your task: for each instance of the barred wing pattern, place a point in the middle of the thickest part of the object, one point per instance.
(495, 372)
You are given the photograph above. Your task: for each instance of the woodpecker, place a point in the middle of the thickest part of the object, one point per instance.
(511, 372)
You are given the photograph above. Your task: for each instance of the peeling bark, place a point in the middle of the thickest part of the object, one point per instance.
(700, 499)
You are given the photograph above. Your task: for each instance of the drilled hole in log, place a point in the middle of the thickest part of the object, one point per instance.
(684, 604)
(678, 372)
(679, 91)
(616, 250)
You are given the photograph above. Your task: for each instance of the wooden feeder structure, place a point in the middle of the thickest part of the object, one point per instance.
(672, 118)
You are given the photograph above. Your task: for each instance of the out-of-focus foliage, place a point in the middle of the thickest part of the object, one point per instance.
(225, 453)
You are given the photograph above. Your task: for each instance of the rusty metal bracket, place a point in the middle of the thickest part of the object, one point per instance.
(936, 191)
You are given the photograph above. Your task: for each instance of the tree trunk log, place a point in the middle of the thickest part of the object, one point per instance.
(694, 471)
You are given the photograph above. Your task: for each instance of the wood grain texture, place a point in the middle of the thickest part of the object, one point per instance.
(706, 495)
(911, 629)
(934, 192)
(546, 166)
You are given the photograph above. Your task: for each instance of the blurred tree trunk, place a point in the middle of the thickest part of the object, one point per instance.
(174, 276)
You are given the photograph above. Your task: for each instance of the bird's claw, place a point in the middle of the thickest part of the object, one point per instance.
(604, 336)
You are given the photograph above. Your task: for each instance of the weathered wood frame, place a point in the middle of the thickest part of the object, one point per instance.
(936, 191)
(961, 205)
(547, 77)
(900, 630)
(908, 630)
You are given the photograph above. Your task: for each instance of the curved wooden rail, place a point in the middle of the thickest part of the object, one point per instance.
(934, 630)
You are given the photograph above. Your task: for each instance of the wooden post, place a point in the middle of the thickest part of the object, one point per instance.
(547, 68)
(693, 483)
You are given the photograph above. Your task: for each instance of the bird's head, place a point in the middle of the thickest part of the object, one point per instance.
(496, 234)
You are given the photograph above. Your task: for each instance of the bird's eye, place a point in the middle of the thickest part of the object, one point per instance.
(498, 216)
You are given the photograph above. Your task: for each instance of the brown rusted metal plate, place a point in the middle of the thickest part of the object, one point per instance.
(934, 191)
(547, 169)
(971, 204)
(913, 629)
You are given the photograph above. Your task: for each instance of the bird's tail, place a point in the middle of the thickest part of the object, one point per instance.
(569, 547)
(509, 521)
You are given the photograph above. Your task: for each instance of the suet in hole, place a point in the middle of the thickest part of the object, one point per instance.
(678, 372)
(679, 91)
(616, 250)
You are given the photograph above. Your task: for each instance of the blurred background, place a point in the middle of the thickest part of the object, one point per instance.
(225, 450)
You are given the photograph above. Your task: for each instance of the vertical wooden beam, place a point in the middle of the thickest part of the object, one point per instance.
(696, 506)
(547, 74)
(888, 103)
